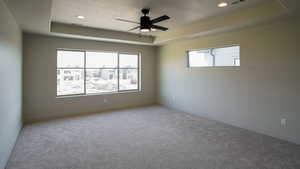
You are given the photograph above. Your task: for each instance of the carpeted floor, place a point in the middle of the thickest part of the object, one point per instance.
(148, 138)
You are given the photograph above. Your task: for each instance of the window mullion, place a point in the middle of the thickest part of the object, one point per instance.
(84, 68)
(213, 56)
(118, 70)
(138, 72)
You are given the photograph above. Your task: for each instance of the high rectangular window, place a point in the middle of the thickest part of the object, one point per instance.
(214, 57)
(85, 72)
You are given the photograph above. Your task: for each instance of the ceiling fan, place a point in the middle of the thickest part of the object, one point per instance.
(146, 24)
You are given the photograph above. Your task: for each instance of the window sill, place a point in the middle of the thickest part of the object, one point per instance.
(98, 94)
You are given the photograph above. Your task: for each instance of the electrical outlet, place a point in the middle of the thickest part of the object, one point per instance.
(283, 122)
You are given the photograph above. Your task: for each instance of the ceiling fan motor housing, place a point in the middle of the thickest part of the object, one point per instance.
(145, 22)
(145, 11)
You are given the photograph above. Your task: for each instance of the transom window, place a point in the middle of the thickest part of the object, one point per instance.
(88, 72)
(214, 57)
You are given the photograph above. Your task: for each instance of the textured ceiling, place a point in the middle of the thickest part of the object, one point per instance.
(102, 13)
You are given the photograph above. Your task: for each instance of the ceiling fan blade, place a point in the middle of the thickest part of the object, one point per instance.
(159, 19)
(159, 27)
(125, 20)
(134, 28)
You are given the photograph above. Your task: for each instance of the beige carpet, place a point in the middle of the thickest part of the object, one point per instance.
(148, 138)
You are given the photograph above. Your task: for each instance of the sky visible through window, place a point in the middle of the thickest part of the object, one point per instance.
(75, 59)
(101, 60)
(72, 59)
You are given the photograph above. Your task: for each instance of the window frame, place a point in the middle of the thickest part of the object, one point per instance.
(118, 91)
(213, 57)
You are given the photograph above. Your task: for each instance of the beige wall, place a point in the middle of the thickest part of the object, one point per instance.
(40, 100)
(254, 96)
(11, 81)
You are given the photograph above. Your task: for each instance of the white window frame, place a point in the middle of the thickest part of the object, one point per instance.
(118, 73)
(213, 56)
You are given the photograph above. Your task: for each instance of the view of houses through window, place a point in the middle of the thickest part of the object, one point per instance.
(84, 72)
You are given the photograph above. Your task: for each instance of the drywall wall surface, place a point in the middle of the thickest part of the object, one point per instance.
(11, 81)
(40, 101)
(256, 95)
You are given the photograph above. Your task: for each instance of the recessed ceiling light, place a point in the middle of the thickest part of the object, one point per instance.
(80, 17)
(222, 4)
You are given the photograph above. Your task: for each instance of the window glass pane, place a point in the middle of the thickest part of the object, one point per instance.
(201, 58)
(237, 62)
(228, 56)
(70, 59)
(128, 61)
(70, 81)
(128, 79)
(101, 80)
(101, 60)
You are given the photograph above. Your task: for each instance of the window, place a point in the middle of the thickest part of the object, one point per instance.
(128, 74)
(201, 58)
(227, 56)
(85, 72)
(101, 72)
(69, 65)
